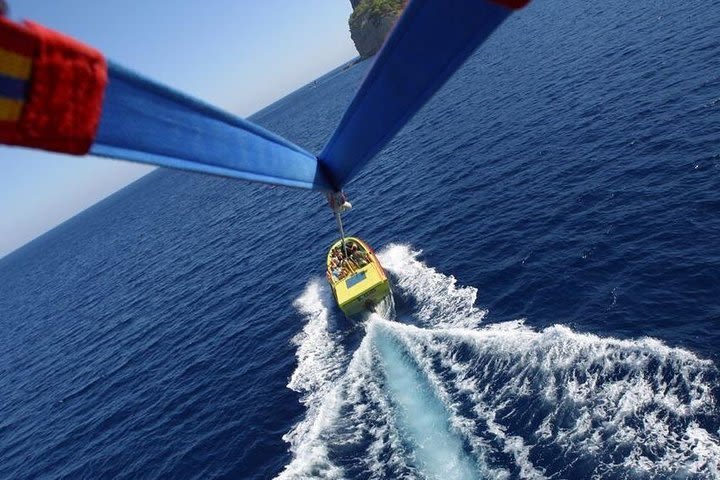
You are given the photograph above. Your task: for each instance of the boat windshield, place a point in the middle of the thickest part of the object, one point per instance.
(355, 279)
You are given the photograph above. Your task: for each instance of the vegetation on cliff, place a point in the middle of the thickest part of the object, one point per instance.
(375, 9)
(371, 21)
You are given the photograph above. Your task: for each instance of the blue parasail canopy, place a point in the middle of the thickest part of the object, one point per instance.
(60, 95)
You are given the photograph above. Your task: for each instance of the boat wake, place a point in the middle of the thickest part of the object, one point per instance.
(437, 395)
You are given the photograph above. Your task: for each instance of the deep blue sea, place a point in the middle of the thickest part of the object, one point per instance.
(551, 224)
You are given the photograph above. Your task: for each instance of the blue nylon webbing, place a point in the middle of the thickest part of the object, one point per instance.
(429, 43)
(146, 122)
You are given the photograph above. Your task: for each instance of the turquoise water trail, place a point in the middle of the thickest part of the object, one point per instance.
(421, 414)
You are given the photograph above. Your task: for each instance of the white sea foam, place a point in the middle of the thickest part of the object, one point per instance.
(320, 358)
(440, 302)
(506, 400)
(588, 396)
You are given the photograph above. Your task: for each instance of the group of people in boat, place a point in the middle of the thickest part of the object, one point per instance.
(342, 265)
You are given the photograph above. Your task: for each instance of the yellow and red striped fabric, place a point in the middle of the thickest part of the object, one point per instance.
(51, 89)
(17, 49)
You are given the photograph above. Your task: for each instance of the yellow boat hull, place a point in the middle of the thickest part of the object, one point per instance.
(363, 285)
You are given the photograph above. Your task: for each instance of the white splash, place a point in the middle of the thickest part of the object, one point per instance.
(441, 303)
(320, 359)
(579, 393)
(504, 400)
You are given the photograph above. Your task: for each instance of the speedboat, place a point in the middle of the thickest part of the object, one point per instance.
(357, 279)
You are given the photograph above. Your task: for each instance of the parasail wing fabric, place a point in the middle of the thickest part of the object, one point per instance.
(60, 95)
(430, 42)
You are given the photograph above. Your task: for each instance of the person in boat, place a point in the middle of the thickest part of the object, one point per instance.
(351, 259)
(358, 255)
(339, 255)
(335, 270)
(351, 249)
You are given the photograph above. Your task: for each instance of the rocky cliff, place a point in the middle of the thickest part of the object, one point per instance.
(371, 21)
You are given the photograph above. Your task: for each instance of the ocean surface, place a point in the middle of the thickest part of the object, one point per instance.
(551, 223)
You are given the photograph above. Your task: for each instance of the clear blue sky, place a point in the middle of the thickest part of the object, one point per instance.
(237, 54)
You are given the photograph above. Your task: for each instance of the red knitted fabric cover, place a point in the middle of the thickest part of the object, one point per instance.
(63, 102)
